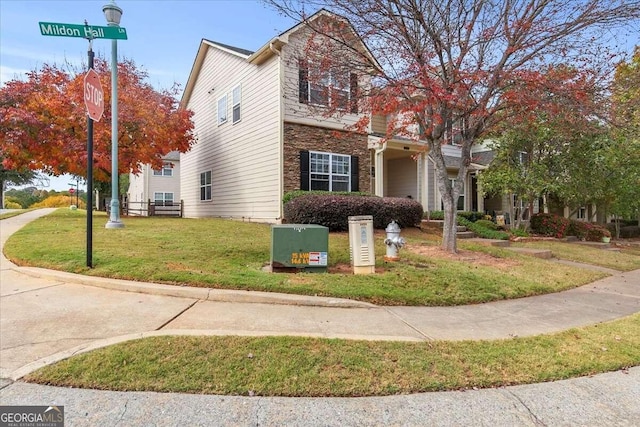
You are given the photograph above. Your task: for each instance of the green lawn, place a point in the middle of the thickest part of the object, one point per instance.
(228, 254)
(291, 366)
(628, 258)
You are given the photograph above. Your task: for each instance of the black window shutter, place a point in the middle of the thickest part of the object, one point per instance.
(353, 87)
(355, 174)
(303, 82)
(304, 170)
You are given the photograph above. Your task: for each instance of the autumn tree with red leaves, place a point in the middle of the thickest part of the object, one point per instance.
(44, 122)
(446, 66)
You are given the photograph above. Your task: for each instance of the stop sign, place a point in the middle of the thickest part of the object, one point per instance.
(72, 190)
(93, 95)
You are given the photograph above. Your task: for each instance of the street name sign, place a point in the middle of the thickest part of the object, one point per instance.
(93, 95)
(82, 31)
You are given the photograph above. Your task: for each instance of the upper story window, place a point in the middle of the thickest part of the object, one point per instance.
(236, 99)
(167, 170)
(222, 110)
(329, 88)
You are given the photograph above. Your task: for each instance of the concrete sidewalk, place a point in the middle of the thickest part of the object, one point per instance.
(47, 316)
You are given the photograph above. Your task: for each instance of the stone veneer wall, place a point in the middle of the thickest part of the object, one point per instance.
(302, 137)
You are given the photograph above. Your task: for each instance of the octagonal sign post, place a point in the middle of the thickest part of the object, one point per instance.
(93, 95)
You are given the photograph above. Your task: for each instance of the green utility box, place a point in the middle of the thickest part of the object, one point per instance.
(299, 246)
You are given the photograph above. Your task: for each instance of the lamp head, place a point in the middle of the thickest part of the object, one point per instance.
(113, 13)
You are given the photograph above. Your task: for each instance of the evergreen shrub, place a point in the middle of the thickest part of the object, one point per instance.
(333, 211)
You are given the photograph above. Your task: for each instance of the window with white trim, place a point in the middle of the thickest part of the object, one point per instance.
(334, 87)
(582, 213)
(236, 99)
(222, 110)
(205, 186)
(163, 199)
(167, 170)
(329, 172)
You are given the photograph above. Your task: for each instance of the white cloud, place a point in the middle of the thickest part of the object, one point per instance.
(9, 73)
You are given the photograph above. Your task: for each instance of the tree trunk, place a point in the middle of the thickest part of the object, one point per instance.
(449, 196)
(512, 217)
(450, 227)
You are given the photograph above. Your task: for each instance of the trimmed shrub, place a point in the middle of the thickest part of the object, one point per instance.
(624, 222)
(435, 215)
(333, 211)
(588, 231)
(297, 193)
(519, 232)
(481, 231)
(549, 225)
(596, 233)
(630, 231)
(557, 226)
(487, 224)
(471, 216)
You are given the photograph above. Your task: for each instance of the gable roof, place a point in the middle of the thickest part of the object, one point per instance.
(197, 63)
(265, 52)
(233, 49)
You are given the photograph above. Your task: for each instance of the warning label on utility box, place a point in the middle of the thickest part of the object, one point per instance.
(317, 258)
(309, 258)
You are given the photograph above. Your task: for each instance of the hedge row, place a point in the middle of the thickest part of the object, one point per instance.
(626, 232)
(297, 193)
(8, 204)
(333, 211)
(481, 230)
(557, 226)
(471, 216)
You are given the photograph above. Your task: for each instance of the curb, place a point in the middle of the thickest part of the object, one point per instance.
(203, 294)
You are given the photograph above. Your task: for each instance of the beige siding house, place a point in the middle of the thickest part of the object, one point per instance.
(234, 168)
(161, 187)
(261, 132)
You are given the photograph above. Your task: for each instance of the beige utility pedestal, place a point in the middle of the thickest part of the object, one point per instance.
(361, 244)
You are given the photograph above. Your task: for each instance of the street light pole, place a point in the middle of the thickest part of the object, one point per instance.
(113, 14)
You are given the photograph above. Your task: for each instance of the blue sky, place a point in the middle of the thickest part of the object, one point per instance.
(163, 35)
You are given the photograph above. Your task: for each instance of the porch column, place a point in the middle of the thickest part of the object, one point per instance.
(379, 165)
(479, 195)
(422, 181)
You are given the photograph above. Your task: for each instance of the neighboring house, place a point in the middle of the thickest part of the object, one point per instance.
(260, 134)
(471, 197)
(159, 189)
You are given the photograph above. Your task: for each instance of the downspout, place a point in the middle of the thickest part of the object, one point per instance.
(280, 130)
(379, 190)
